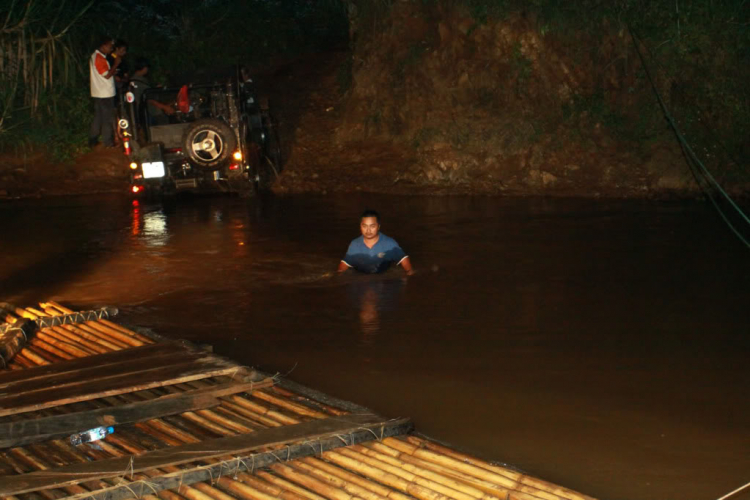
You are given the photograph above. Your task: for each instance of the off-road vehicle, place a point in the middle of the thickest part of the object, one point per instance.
(215, 137)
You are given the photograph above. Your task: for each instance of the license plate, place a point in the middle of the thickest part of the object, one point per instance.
(153, 169)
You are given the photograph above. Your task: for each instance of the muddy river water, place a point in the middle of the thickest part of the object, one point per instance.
(602, 345)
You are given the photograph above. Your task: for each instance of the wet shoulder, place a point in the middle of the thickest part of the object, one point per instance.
(387, 241)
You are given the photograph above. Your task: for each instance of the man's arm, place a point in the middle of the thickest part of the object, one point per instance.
(166, 108)
(406, 265)
(118, 55)
(343, 266)
(109, 74)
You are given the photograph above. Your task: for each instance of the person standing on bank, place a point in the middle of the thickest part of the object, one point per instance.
(373, 252)
(101, 75)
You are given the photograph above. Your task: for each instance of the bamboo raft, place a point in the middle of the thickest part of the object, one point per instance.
(192, 425)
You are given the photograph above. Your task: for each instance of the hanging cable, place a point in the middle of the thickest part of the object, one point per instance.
(692, 157)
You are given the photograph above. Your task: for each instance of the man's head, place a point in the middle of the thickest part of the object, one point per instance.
(106, 44)
(120, 48)
(369, 224)
(141, 67)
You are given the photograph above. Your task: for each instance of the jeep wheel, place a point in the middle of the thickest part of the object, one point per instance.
(209, 143)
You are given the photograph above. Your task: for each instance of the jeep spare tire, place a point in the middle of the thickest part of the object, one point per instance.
(208, 143)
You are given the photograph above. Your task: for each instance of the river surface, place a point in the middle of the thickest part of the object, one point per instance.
(602, 345)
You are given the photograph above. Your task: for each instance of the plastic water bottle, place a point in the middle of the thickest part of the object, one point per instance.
(91, 435)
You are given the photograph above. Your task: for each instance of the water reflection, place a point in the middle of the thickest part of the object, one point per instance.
(373, 297)
(155, 229)
(149, 226)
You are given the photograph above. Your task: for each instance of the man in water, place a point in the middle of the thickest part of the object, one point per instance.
(373, 252)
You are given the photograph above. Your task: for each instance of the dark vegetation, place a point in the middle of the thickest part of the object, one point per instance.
(699, 51)
(44, 50)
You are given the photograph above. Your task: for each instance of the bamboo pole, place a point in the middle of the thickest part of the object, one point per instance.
(94, 342)
(34, 356)
(519, 480)
(80, 328)
(212, 492)
(289, 486)
(74, 349)
(283, 403)
(77, 340)
(50, 348)
(432, 475)
(131, 447)
(406, 475)
(349, 477)
(265, 487)
(292, 395)
(262, 410)
(383, 477)
(242, 410)
(23, 360)
(105, 322)
(244, 491)
(350, 488)
(486, 486)
(39, 464)
(192, 493)
(169, 495)
(88, 329)
(120, 336)
(219, 428)
(326, 490)
(238, 418)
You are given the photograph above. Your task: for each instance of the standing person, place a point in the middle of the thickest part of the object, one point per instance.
(373, 252)
(102, 83)
(139, 83)
(121, 76)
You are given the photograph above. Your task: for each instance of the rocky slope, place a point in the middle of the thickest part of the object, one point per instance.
(442, 103)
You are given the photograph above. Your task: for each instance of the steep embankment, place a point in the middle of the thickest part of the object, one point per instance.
(440, 102)
(36, 175)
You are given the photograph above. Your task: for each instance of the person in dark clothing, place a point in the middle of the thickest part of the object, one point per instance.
(373, 252)
(121, 73)
(139, 83)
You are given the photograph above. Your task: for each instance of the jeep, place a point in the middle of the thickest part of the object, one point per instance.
(216, 137)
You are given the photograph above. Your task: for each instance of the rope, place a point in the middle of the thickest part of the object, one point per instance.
(732, 493)
(692, 156)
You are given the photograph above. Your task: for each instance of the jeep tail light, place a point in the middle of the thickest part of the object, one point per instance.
(234, 166)
(136, 189)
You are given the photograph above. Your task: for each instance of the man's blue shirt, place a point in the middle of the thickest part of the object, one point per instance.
(376, 259)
